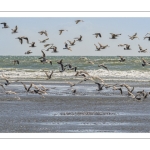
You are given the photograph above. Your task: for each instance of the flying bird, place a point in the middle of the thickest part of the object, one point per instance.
(102, 65)
(113, 36)
(77, 21)
(14, 30)
(97, 34)
(60, 31)
(28, 52)
(43, 32)
(5, 25)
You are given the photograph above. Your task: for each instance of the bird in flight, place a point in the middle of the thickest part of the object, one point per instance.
(43, 32)
(77, 21)
(60, 31)
(5, 25)
(14, 30)
(97, 34)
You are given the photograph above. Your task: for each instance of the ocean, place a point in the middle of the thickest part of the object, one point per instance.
(30, 67)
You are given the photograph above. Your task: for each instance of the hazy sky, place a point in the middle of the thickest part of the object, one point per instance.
(31, 26)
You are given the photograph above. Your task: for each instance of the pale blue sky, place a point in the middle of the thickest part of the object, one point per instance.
(31, 26)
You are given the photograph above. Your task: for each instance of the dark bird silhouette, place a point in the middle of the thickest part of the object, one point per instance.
(77, 21)
(79, 39)
(113, 36)
(25, 38)
(27, 89)
(102, 65)
(14, 30)
(16, 61)
(97, 34)
(32, 44)
(43, 32)
(100, 86)
(20, 39)
(5, 25)
(49, 76)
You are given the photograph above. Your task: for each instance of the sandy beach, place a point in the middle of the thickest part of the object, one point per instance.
(88, 111)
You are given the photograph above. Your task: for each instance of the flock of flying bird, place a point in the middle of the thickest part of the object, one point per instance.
(140, 95)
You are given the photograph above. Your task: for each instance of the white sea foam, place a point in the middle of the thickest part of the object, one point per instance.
(39, 74)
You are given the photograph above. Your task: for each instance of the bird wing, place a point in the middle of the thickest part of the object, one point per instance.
(43, 53)
(24, 86)
(46, 74)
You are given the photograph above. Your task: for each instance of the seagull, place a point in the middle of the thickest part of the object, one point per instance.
(25, 38)
(62, 68)
(77, 21)
(144, 62)
(60, 31)
(43, 58)
(14, 30)
(60, 62)
(79, 39)
(102, 46)
(113, 36)
(127, 47)
(98, 48)
(20, 39)
(133, 96)
(9, 82)
(73, 91)
(72, 43)
(55, 49)
(133, 36)
(5, 25)
(27, 89)
(102, 65)
(121, 59)
(43, 32)
(100, 87)
(2, 86)
(49, 76)
(28, 52)
(16, 61)
(97, 34)
(43, 41)
(66, 46)
(147, 37)
(142, 50)
(120, 89)
(32, 44)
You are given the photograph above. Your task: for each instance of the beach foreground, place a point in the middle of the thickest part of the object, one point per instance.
(74, 114)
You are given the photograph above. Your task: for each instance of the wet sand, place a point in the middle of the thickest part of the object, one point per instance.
(74, 114)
